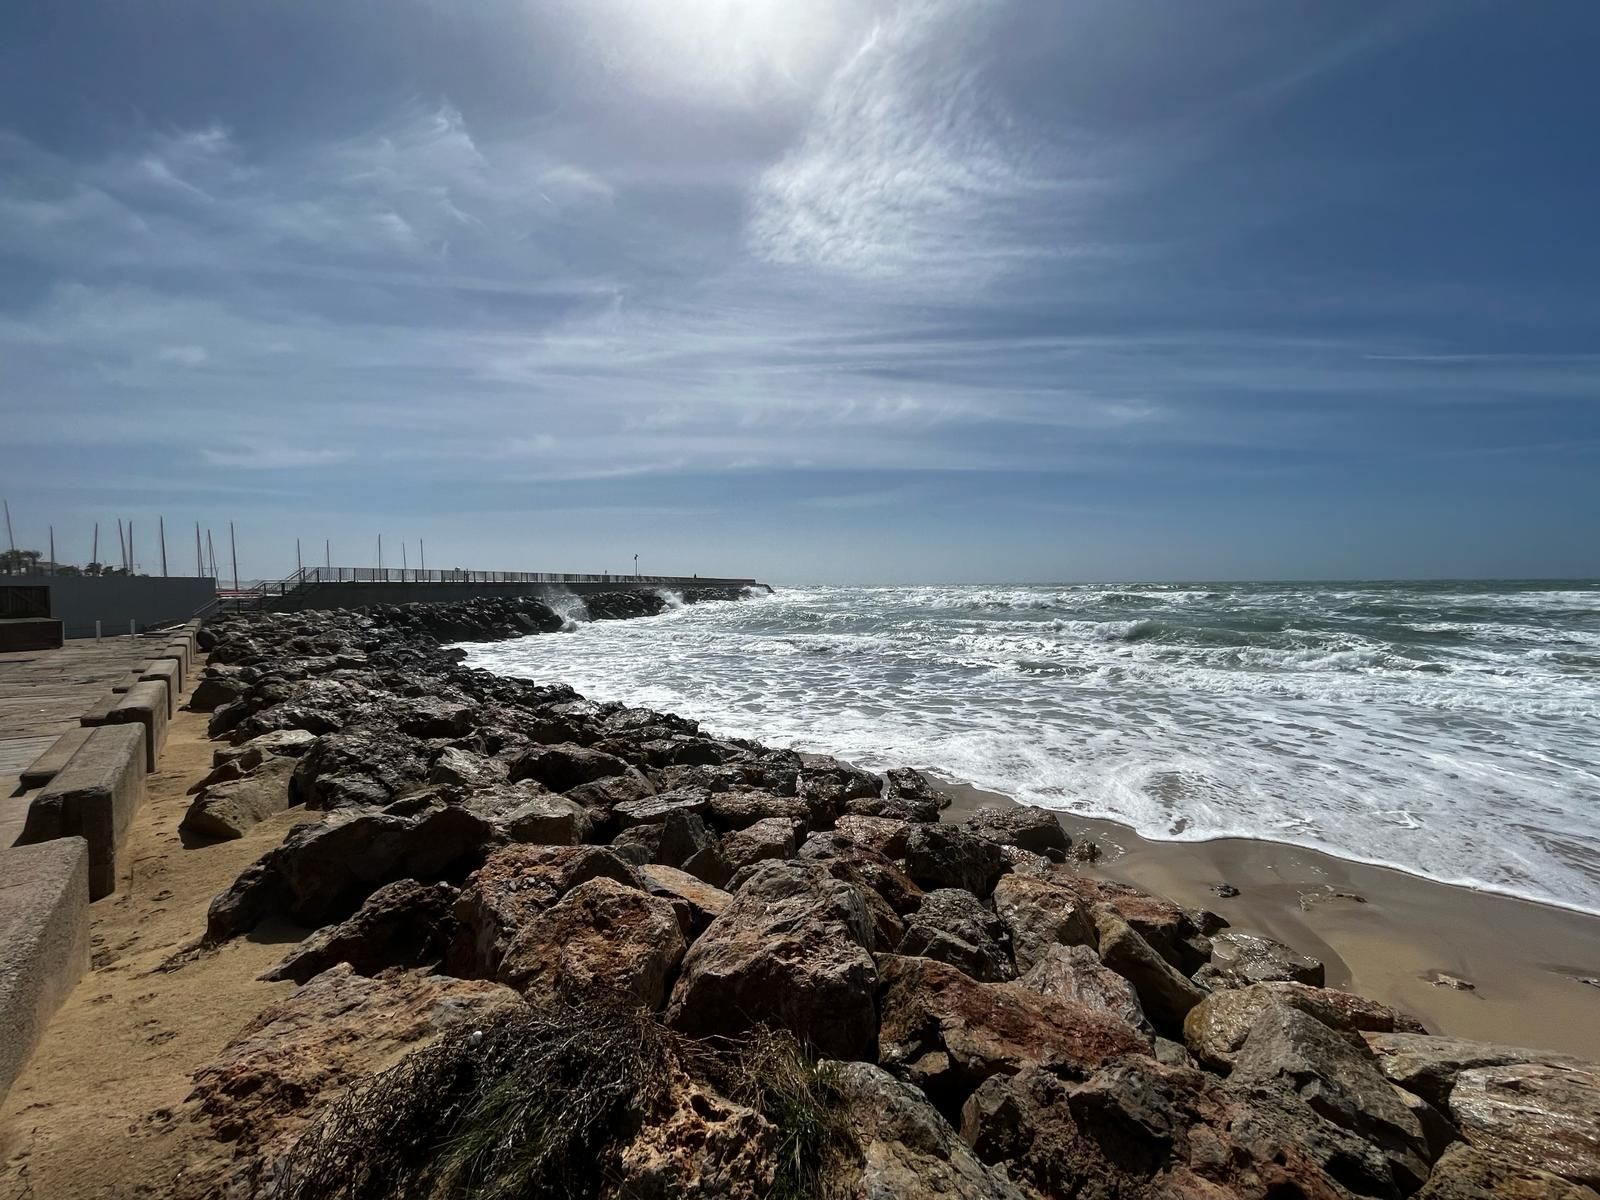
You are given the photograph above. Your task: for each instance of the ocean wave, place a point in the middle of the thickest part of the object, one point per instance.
(1264, 711)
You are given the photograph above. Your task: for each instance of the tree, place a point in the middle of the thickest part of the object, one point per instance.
(19, 562)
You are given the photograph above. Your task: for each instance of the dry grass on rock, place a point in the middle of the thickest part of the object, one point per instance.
(542, 1101)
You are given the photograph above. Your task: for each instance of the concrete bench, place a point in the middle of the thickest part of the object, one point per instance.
(44, 942)
(94, 797)
(169, 673)
(45, 768)
(181, 649)
(100, 713)
(122, 685)
(146, 704)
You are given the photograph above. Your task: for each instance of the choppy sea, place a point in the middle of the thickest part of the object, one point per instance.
(1448, 729)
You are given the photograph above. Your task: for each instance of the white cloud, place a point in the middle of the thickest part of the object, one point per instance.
(184, 356)
(273, 458)
(905, 167)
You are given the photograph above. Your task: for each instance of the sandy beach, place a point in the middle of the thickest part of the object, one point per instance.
(1535, 968)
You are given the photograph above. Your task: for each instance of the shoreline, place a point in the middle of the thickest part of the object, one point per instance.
(1527, 960)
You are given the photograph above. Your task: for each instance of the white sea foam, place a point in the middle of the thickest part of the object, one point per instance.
(1449, 731)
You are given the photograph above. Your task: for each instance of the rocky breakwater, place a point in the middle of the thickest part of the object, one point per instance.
(555, 947)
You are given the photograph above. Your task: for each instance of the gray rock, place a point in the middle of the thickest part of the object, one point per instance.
(943, 856)
(1534, 1114)
(1025, 826)
(1165, 995)
(1336, 1076)
(1076, 973)
(1240, 959)
(1468, 1173)
(227, 810)
(466, 769)
(1039, 915)
(907, 1150)
(954, 927)
(791, 952)
(1428, 1066)
(1216, 1028)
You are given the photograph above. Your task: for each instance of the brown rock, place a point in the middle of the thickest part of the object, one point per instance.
(1165, 995)
(1141, 1130)
(1041, 914)
(702, 902)
(601, 936)
(1240, 959)
(512, 889)
(907, 1150)
(703, 1145)
(1216, 1028)
(303, 1051)
(789, 952)
(1468, 1173)
(946, 1032)
(769, 838)
(1428, 1066)
(1535, 1114)
(1076, 973)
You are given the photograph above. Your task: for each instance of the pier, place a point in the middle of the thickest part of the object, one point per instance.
(358, 587)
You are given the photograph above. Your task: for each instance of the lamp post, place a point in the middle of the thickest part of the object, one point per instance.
(636, 566)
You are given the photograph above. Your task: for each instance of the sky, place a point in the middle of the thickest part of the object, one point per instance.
(842, 291)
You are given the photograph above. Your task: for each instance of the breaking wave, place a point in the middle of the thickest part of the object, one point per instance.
(1451, 730)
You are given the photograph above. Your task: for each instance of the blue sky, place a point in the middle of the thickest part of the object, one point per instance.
(850, 290)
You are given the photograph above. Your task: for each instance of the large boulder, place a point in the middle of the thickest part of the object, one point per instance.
(1165, 995)
(1137, 1128)
(906, 1149)
(944, 856)
(325, 869)
(513, 889)
(302, 1052)
(1336, 1076)
(563, 767)
(1026, 826)
(601, 936)
(1428, 1066)
(1216, 1028)
(402, 924)
(700, 902)
(1468, 1173)
(946, 1033)
(465, 769)
(227, 809)
(1534, 1114)
(1240, 959)
(789, 952)
(954, 927)
(1076, 973)
(1040, 914)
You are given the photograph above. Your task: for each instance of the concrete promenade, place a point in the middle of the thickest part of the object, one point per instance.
(43, 693)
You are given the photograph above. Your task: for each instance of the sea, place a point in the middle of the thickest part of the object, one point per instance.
(1448, 729)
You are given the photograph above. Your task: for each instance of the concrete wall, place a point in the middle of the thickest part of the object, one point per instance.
(79, 600)
(358, 595)
(44, 942)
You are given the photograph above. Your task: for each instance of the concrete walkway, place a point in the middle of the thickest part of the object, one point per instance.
(42, 695)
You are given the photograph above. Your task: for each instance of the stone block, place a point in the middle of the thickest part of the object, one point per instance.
(94, 798)
(147, 704)
(44, 942)
(169, 673)
(122, 685)
(99, 713)
(45, 768)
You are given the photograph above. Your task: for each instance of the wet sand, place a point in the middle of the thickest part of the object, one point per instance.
(1381, 933)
